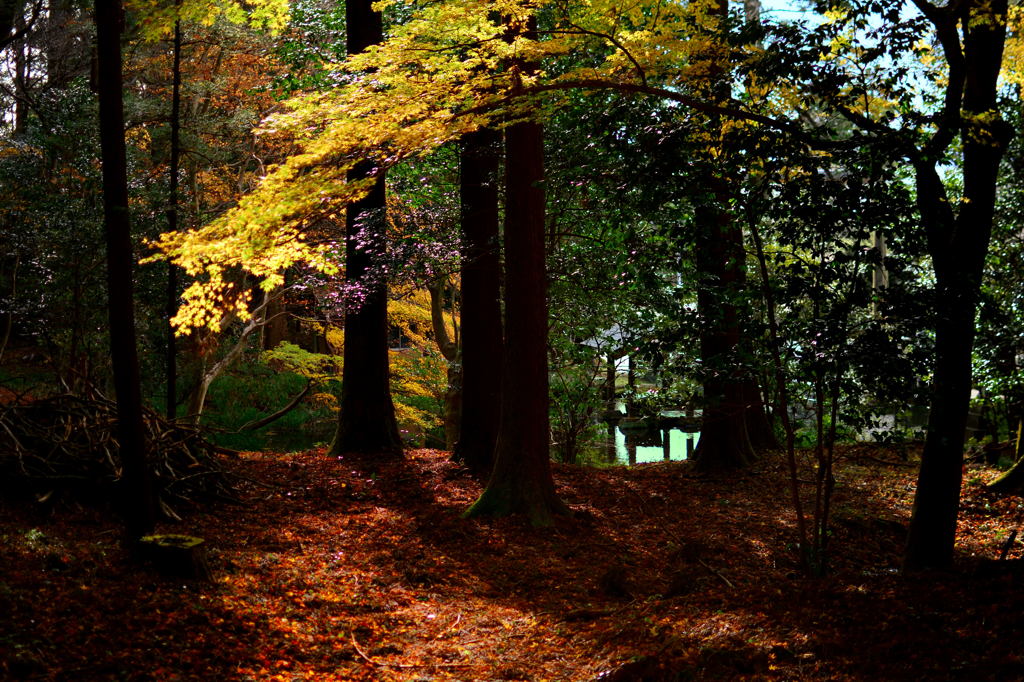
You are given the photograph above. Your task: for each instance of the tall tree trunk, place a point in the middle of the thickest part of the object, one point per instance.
(76, 359)
(137, 499)
(21, 76)
(9, 322)
(521, 482)
(60, 49)
(782, 401)
(171, 357)
(275, 331)
(937, 500)
(958, 245)
(482, 344)
(724, 440)
(366, 419)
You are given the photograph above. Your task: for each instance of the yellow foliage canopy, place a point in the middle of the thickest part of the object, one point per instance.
(159, 15)
(448, 71)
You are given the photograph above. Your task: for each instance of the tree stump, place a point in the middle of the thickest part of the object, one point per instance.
(178, 556)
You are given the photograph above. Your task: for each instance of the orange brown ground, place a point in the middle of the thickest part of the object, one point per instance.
(336, 571)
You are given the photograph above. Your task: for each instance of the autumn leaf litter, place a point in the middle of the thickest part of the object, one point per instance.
(339, 570)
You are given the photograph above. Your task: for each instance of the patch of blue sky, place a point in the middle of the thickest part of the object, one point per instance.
(913, 76)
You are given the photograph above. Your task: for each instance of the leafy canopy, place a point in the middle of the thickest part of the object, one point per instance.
(452, 68)
(159, 16)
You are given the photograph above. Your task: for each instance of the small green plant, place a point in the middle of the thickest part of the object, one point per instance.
(35, 537)
(574, 400)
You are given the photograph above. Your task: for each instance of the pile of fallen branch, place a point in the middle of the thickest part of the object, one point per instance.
(68, 444)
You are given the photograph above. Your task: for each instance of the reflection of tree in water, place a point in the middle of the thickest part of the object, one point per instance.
(646, 439)
(625, 446)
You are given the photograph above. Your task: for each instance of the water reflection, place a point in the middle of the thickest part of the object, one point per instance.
(638, 447)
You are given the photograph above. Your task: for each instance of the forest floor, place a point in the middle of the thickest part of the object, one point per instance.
(333, 570)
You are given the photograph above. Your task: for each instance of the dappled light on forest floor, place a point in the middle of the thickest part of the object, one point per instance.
(332, 570)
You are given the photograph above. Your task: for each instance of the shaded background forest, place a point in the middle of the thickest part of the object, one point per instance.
(789, 274)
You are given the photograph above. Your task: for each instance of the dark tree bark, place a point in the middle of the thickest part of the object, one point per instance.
(482, 344)
(137, 499)
(275, 331)
(10, 11)
(609, 382)
(521, 482)
(958, 243)
(724, 441)
(782, 400)
(20, 58)
(64, 59)
(366, 420)
(171, 357)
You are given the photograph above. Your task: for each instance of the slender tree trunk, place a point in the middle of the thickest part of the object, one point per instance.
(197, 398)
(610, 375)
(451, 351)
(9, 326)
(826, 485)
(207, 375)
(75, 365)
(782, 402)
(631, 386)
(759, 427)
(20, 86)
(366, 419)
(171, 358)
(482, 344)
(138, 501)
(958, 246)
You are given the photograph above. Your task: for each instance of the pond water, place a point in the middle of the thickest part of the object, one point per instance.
(616, 447)
(638, 448)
